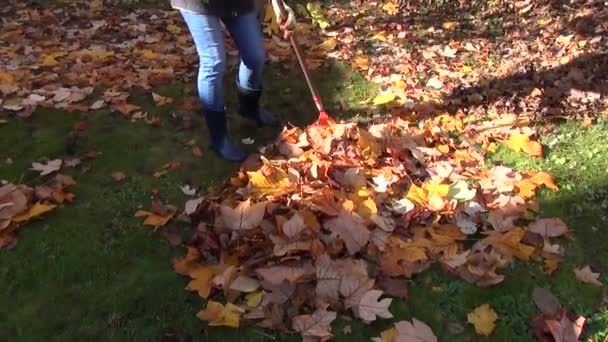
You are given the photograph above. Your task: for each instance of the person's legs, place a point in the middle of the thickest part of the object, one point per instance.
(209, 40)
(247, 34)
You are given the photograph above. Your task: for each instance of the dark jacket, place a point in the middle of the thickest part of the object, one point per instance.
(220, 8)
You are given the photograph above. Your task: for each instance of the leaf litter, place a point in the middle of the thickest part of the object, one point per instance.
(20, 204)
(383, 202)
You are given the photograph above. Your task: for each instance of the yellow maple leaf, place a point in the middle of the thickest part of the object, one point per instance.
(51, 59)
(328, 45)
(391, 8)
(146, 53)
(383, 99)
(367, 208)
(440, 190)
(219, 315)
(35, 211)
(254, 299)
(522, 142)
(466, 69)
(483, 318)
(417, 195)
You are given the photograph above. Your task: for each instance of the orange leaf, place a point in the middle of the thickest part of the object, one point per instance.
(153, 219)
(543, 178)
(125, 108)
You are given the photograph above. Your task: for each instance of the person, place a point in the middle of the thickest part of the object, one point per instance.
(241, 19)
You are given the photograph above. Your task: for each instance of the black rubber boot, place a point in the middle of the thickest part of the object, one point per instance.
(220, 141)
(249, 107)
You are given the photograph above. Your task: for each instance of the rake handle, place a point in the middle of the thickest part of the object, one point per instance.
(296, 48)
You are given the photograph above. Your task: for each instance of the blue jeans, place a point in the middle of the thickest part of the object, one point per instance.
(209, 40)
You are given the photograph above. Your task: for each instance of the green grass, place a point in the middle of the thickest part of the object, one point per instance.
(91, 271)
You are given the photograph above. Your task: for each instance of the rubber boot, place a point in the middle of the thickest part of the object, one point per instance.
(249, 107)
(220, 141)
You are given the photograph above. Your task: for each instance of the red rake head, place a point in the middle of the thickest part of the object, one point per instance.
(324, 119)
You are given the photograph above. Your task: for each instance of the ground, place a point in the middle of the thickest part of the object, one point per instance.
(91, 270)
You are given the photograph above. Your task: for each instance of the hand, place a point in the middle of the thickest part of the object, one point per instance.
(285, 19)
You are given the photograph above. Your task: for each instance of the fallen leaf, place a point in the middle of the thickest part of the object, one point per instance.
(119, 176)
(48, 168)
(384, 99)
(545, 301)
(549, 227)
(192, 205)
(406, 331)
(522, 142)
(153, 219)
(197, 151)
(125, 108)
(586, 275)
(460, 191)
(351, 229)
(245, 216)
(316, 325)
(434, 83)
(370, 306)
(483, 318)
(201, 280)
(219, 315)
(36, 210)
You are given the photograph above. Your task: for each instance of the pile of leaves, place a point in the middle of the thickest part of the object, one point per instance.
(20, 203)
(338, 218)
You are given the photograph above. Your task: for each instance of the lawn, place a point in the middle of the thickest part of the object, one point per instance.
(91, 271)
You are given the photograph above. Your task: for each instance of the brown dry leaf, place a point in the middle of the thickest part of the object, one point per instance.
(188, 263)
(125, 108)
(48, 168)
(566, 330)
(245, 216)
(159, 216)
(546, 301)
(161, 100)
(197, 151)
(119, 176)
(352, 230)
(586, 275)
(406, 331)
(277, 274)
(370, 307)
(328, 278)
(317, 325)
(395, 287)
(549, 227)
